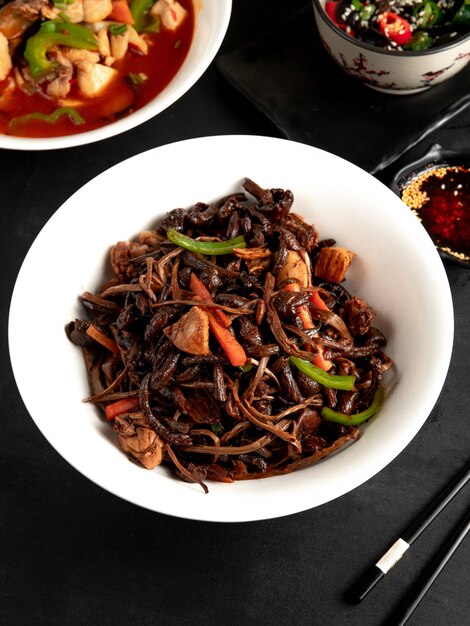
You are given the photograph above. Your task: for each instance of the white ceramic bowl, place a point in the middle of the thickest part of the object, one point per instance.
(211, 22)
(397, 270)
(399, 73)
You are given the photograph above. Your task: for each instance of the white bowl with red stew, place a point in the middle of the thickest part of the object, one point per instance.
(85, 70)
(396, 46)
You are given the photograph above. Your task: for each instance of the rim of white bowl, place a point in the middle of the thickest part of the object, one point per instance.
(161, 102)
(321, 12)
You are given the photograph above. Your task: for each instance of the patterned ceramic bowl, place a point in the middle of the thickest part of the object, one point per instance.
(392, 72)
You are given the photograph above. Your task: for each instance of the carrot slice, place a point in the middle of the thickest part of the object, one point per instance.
(199, 289)
(316, 299)
(320, 361)
(95, 333)
(232, 348)
(302, 309)
(121, 12)
(307, 323)
(120, 406)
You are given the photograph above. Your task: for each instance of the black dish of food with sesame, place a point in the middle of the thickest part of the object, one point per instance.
(402, 25)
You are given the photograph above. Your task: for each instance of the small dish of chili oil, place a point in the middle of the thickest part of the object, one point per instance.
(438, 193)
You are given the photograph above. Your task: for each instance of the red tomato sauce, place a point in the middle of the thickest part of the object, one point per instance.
(167, 52)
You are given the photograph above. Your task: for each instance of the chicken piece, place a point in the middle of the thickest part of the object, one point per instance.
(78, 57)
(17, 16)
(251, 253)
(96, 10)
(29, 8)
(150, 238)
(12, 24)
(358, 315)
(294, 269)
(137, 41)
(305, 233)
(332, 264)
(256, 259)
(138, 439)
(94, 78)
(170, 12)
(103, 43)
(73, 12)
(191, 332)
(119, 45)
(121, 256)
(5, 58)
(60, 86)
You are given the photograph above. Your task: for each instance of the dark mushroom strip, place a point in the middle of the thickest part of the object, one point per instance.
(161, 430)
(303, 462)
(288, 383)
(198, 348)
(220, 393)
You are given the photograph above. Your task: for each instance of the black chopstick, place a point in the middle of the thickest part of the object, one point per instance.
(376, 572)
(433, 572)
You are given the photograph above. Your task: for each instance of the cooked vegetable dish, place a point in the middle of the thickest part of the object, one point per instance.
(226, 345)
(402, 24)
(69, 66)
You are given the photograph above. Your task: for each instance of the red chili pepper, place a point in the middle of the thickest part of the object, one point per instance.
(330, 8)
(395, 27)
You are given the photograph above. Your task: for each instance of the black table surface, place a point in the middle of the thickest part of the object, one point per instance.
(73, 554)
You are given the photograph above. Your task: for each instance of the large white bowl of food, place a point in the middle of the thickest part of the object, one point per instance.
(79, 71)
(247, 335)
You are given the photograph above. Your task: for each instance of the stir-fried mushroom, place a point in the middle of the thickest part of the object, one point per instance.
(191, 332)
(138, 439)
(333, 263)
(224, 360)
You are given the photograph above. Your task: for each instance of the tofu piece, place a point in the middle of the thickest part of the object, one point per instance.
(93, 78)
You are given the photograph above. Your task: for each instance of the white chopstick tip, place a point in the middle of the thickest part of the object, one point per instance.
(392, 556)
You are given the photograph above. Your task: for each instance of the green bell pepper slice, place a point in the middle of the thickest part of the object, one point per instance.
(55, 32)
(358, 418)
(139, 10)
(327, 380)
(205, 247)
(73, 115)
